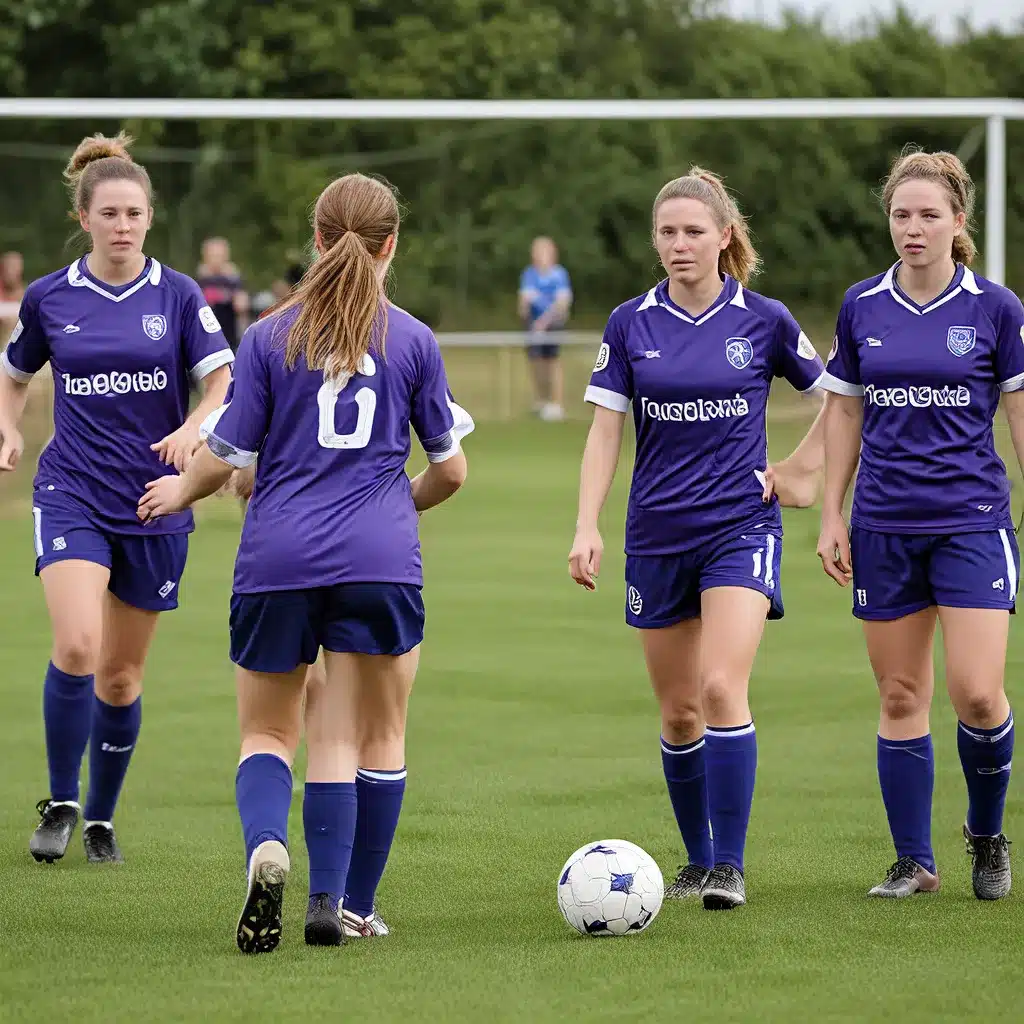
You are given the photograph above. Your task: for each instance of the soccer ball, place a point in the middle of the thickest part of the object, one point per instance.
(610, 888)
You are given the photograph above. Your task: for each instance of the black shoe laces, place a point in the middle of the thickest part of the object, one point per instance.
(904, 868)
(722, 876)
(987, 851)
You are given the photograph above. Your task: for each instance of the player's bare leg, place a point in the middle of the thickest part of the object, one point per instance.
(975, 642)
(733, 620)
(270, 720)
(672, 655)
(900, 651)
(75, 592)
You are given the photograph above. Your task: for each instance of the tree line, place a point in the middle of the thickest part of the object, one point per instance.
(477, 192)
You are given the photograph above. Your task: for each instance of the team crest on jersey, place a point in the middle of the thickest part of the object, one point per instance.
(804, 347)
(209, 320)
(960, 340)
(739, 352)
(155, 326)
(603, 355)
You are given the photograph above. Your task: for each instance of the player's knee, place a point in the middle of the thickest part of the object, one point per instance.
(119, 684)
(982, 706)
(76, 651)
(382, 732)
(722, 694)
(902, 697)
(681, 722)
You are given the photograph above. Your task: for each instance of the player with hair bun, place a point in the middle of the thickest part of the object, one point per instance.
(124, 337)
(695, 356)
(922, 355)
(325, 392)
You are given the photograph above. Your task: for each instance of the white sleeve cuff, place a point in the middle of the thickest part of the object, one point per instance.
(207, 427)
(463, 425)
(828, 382)
(817, 384)
(237, 457)
(606, 399)
(1013, 384)
(12, 371)
(212, 362)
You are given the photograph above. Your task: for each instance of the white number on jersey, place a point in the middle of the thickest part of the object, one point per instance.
(327, 399)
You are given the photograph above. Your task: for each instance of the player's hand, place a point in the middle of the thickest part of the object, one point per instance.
(163, 497)
(242, 482)
(834, 549)
(11, 448)
(585, 557)
(794, 488)
(178, 448)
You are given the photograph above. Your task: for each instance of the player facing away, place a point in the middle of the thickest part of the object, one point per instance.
(921, 356)
(695, 357)
(124, 337)
(325, 392)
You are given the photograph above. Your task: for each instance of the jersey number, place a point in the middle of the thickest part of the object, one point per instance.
(327, 399)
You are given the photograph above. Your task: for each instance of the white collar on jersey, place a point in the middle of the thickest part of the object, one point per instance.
(651, 300)
(78, 279)
(968, 283)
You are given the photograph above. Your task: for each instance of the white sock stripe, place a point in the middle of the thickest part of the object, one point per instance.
(745, 730)
(381, 776)
(666, 749)
(984, 737)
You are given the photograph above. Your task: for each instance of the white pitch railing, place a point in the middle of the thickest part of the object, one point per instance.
(995, 112)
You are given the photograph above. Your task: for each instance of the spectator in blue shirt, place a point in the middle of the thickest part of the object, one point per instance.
(545, 297)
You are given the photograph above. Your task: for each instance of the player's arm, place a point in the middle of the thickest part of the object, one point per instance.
(27, 352)
(597, 471)
(1010, 368)
(795, 479)
(1013, 404)
(844, 418)
(440, 424)
(13, 397)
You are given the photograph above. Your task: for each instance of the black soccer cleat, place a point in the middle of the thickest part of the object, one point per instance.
(101, 844)
(259, 925)
(689, 882)
(323, 924)
(905, 878)
(724, 889)
(50, 840)
(990, 872)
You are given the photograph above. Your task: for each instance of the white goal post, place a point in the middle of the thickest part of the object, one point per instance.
(994, 112)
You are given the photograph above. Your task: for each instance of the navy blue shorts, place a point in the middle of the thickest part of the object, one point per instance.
(279, 630)
(662, 590)
(546, 349)
(897, 574)
(145, 570)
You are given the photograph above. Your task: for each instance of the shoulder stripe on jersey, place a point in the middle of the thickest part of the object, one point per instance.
(969, 282)
(212, 362)
(828, 382)
(650, 300)
(12, 371)
(737, 299)
(606, 399)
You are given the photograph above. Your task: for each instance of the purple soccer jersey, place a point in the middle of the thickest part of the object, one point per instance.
(332, 501)
(930, 377)
(122, 359)
(699, 389)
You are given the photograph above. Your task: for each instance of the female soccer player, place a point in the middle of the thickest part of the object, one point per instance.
(325, 391)
(921, 355)
(696, 356)
(123, 336)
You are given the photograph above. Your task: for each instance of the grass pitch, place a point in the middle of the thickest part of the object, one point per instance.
(532, 731)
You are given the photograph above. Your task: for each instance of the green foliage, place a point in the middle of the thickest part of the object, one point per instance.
(477, 192)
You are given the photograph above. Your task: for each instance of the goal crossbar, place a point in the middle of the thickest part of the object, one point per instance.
(995, 112)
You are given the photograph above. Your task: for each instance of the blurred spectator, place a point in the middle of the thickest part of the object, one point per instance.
(222, 286)
(545, 297)
(12, 287)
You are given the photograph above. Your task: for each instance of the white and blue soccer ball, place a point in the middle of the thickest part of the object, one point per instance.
(611, 887)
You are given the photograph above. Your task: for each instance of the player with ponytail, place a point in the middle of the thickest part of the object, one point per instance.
(695, 357)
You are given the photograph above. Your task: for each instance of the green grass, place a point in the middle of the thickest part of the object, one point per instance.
(532, 731)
